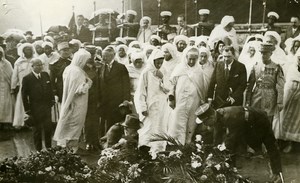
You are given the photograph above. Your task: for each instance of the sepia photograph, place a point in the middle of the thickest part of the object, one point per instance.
(149, 91)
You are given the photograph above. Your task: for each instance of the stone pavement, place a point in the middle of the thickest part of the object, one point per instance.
(21, 144)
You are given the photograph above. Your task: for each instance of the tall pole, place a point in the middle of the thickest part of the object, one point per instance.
(185, 11)
(196, 28)
(158, 12)
(250, 15)
(264, 13)
(142, 8)
(94, 22)
(122, 19)
(41, 24)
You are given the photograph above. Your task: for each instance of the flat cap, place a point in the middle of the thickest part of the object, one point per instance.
(204, 12)
(165, 13)
(274, 14)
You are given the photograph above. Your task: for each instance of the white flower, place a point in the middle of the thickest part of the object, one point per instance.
(199, 147)
(198, 138)
(68, 177)
(134, 170)
(235, 170)
(218, 167)
(221, 147)
(48, 169)
(209, 156)
(177, 153)
(227, 165)
(195, 164)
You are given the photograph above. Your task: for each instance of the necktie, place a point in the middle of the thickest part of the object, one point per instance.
(299, 68)
(39, 76)
(180, 31)
(106, 71)
(226, 72)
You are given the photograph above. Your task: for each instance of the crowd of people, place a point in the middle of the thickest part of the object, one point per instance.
(88, 82)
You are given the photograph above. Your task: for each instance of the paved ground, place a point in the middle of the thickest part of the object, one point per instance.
(20, 143)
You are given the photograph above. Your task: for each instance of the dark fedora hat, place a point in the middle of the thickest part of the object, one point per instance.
(131, 121)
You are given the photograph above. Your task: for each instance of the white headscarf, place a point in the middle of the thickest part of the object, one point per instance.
(205, 50)
(201, 39)
(245, 58)
(219, 32)
(170, 65)
(136, 72)
(22, 47)
(184, 69)
(145, 18)
(278, 56)
(124, 60)
(124, 46)
(227, 20)
(156, 53)
(80, 58)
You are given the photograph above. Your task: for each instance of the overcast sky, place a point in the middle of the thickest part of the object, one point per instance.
(25, 14)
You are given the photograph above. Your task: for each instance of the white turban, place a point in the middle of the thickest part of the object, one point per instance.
(46, 43)
(38, 43)
(155, 37)
(227, 20)
(181, 38)
(49, 39)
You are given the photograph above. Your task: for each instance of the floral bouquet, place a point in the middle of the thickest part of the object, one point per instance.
(51, 165)
(190, 163)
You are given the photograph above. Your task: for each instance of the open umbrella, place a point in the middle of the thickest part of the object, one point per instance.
(58, 28)
(15, 34)
(104, 11)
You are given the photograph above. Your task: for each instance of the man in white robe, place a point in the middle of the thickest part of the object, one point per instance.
(186, 96)
(225, 29)
(22, 68)
(74, 101)
(6, 98)
(149, 100)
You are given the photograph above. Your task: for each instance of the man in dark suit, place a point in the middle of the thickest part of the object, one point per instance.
(293, 30)
(244, 124)
(183, 29)
(228, 81)
(114, 87)
(37, 100)
(57, 68)
(82, 33)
